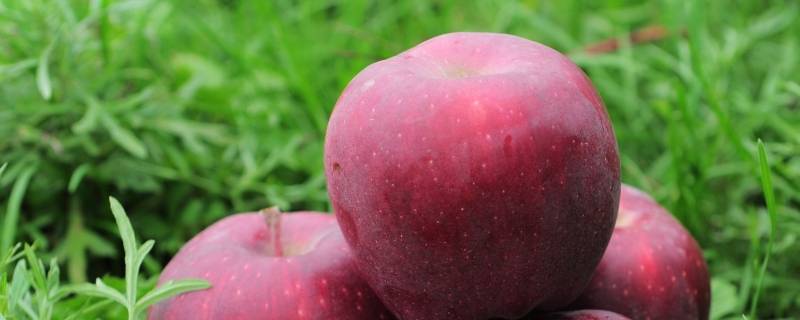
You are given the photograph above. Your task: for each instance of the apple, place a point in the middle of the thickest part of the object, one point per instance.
(270, 266)
(581, 315)
(474, 176)
(652, 269)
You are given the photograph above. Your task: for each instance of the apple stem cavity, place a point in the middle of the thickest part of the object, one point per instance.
(272, 216)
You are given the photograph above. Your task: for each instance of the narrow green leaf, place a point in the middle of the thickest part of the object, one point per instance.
(724, 302)
(131, 252)
(142, 253)
(3, 168)
(14, 69)
(98, 245)
(10, 257)
(77, 176)
(60, 293)
(170, 289)
(100, 290)
(19, 286)
(124, 137)
(53, 276)
(90, 119)
(772, 210)
(37, 273)
(124, 226)
(89, 309)
(43, 72)
(25, 305)
(13, 211)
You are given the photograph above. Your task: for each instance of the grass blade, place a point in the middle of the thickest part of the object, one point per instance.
(772, 210)
(124, 137)
(13, 211)
(77, 177)
(43, 72)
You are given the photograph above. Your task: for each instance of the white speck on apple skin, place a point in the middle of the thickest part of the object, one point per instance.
(368, 84)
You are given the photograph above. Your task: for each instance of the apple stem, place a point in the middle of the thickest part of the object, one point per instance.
(272, 216)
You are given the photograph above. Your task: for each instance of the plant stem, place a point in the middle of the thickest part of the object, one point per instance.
(272, 217)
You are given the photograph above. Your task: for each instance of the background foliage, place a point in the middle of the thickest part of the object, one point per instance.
(190, 110)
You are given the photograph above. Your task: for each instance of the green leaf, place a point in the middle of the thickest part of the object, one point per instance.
(725, 301)
(123, 137)
(25, 305)
(131, 252)
(37, 273)
(124, 226)
(772, 210)
(100, 290)
(14, 69)
(77, 176)
(170, 289)
(90, 119)
(142, 253)
(88, 309)
(3, 168)
(53, 276)
(13, 211)
(19, 286)
(43, 73)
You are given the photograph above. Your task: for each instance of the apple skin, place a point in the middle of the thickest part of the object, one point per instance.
(580, 315)
(475, 175)
(249, 282)
(652, 269)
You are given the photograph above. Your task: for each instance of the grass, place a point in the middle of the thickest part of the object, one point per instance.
(34, 291)
(191, 110)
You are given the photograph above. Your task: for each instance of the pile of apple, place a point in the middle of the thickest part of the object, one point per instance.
(474, 176)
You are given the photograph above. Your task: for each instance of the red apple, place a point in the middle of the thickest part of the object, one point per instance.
(475, 175)
(652, 269)
(581, 315)
(299, 268)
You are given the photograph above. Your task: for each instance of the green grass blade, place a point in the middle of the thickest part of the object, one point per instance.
(77, 177)
(43, 72)
(13, 211)
(123, 137)
(769, 196)
(696, 49)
